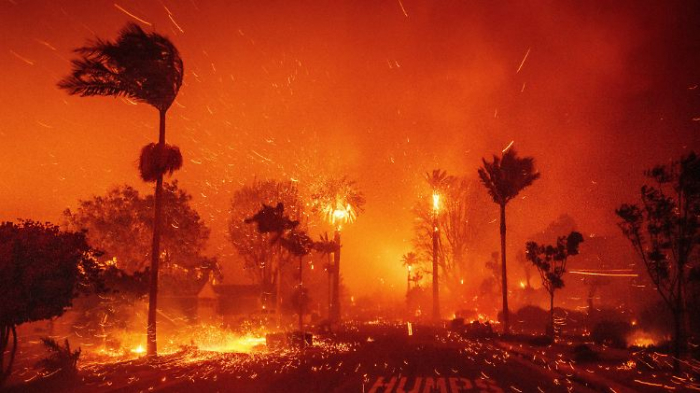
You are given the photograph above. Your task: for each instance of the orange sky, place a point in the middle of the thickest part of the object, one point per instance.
(382, 91)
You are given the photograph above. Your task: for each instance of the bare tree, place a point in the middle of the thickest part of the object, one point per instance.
(460, 222)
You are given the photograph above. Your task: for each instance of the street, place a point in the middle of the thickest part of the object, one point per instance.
(362, 358)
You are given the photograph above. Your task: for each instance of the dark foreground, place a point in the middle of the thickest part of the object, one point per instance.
(363, 358)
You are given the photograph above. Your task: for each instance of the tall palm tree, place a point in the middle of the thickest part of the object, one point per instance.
(438, 181)
(339, 201)
(504, 178)
(147, 68)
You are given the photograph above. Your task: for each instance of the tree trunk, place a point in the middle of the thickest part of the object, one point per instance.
(301, 301)
(504, 279)
(335, 315)
(677, 337)
(330, 289)
(591, 293)
(436, 290)
(4, 341)
(152, 349)
(551, 315)
(678, 321)
(278, 291)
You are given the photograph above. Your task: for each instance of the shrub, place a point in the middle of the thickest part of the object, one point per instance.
(61, 360)
(584, 353)
(611, 333)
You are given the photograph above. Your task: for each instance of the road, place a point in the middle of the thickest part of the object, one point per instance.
(363, 358)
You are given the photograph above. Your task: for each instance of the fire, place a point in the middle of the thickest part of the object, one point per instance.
(339, 214)
(436, 201)
(642, 339)
(139, 350)
(204, 338)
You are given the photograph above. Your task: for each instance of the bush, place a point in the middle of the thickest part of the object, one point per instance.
(530, 319)
(541, 341)
(61, 360)
(611, 333)
(584, 353)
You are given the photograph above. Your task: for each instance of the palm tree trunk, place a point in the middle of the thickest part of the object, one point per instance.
(152, 349)
(436, 290)
(278, 291)
(330, 289)
(504, 276)
(301, 301)
(335, 315)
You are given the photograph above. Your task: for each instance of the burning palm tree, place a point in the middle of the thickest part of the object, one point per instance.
(339, 202)
(145, 67)
(504, 178)
(438, 181)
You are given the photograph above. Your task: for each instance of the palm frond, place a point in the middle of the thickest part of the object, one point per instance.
(143, 66)
(506, 176)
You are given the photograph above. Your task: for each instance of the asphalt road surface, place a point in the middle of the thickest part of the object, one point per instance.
(363, 358)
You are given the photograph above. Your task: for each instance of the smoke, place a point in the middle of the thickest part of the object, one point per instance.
(383, 93)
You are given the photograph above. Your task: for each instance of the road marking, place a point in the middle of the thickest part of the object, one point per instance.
(430, 384)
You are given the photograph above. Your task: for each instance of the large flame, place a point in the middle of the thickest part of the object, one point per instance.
(436, 201)
(338, 214)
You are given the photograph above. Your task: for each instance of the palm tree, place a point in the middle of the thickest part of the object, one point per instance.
(504, 178)
(145, 67)
(273, 220)
(339, 201)
(438, 181)
(409, 260)
(327, 246)
(299, 244)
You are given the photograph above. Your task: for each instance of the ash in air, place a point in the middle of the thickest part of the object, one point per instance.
(331, 197)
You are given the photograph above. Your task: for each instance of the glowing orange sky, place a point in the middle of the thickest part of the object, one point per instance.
(382, 91)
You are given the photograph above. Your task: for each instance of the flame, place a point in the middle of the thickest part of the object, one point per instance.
(204, 338)
(436, 201)
(339, 214)
(642, 339)
(139, 350)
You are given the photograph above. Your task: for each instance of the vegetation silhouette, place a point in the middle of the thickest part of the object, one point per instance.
(504, 177)
(550, 261)
(438, 182)
(665, 233)
(42, 269)
(147, 68)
